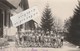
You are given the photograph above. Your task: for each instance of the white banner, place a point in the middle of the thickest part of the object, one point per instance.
(24, 16)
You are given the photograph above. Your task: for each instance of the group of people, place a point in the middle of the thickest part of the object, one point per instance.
(41, 41)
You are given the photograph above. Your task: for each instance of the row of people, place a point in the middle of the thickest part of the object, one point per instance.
(41, 40)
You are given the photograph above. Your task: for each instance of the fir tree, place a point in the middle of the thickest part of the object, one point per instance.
(73, 35)
(47, 20)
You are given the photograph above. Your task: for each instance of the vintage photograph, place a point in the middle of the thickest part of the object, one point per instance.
(57, 28)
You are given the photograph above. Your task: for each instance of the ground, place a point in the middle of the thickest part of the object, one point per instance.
(65, 47)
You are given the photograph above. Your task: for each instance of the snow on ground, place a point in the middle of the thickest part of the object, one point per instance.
(66, 47)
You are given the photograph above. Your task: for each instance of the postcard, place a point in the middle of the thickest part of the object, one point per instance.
(39, 25)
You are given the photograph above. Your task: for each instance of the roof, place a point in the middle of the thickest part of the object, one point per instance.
(7, 3)
(14, 2)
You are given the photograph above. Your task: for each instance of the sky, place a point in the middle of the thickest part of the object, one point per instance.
(61, 9)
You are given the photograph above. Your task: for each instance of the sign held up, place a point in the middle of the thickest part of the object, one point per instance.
(24, 16)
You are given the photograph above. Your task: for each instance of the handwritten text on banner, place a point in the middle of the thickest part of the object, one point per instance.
(24, 16)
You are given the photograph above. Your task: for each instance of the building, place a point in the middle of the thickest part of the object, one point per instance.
(8, 9)
(28, 25)
(5, 14)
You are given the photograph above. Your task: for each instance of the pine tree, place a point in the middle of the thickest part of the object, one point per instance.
(73, 35)
(47, 20)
